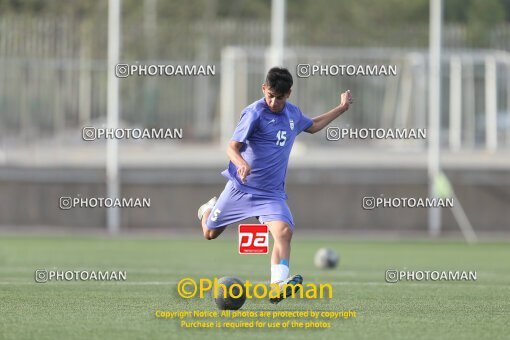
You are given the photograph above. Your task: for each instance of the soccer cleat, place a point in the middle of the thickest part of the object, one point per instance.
(206, 206)
(295, 280)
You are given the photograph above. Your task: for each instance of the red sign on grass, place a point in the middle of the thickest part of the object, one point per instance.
(253, 239)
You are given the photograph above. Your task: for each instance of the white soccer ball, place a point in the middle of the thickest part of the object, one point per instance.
(326, 258)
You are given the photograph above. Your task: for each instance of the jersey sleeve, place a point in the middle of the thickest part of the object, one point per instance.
(303, 123)
(245, 127)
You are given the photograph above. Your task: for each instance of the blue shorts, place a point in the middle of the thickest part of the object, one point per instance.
(234, 205)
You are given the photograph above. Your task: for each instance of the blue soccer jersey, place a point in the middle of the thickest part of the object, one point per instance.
(268, 138)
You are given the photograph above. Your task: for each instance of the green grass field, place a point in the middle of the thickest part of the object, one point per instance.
(110, 310)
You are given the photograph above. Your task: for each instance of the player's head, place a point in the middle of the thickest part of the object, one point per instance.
(277, 88)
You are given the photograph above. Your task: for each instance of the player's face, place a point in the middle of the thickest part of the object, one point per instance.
(275, 101)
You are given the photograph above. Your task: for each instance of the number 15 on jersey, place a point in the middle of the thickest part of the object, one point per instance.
(281, 137)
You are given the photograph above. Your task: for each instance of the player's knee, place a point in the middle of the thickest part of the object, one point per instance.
(209, 236)
(285, 234)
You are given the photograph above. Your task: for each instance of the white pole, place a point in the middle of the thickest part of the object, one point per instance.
(469, 103)
(112, 149)
(507, 77)
(406, 93)
(434, 214)
(491, 104)
(277, 33)
(507, 63)
(227, 94)
(234, 74)
(455, 135)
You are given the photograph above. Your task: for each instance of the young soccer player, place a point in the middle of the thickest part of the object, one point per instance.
(259, 154)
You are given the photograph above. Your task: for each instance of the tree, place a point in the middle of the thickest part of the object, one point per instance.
(483, 15)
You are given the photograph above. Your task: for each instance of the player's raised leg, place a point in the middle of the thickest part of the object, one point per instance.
(280, 258)
(203, 213)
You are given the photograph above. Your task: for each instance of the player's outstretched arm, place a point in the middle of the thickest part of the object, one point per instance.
(234, 154)
(320, 122)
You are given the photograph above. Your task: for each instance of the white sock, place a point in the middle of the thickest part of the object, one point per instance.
(279, 272)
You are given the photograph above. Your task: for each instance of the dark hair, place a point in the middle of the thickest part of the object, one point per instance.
(279, 80)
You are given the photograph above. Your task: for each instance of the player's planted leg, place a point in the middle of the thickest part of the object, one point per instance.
(282, 235)
(203, 213)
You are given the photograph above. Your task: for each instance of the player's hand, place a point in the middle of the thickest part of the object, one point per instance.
(243, 171)
(346, 100)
